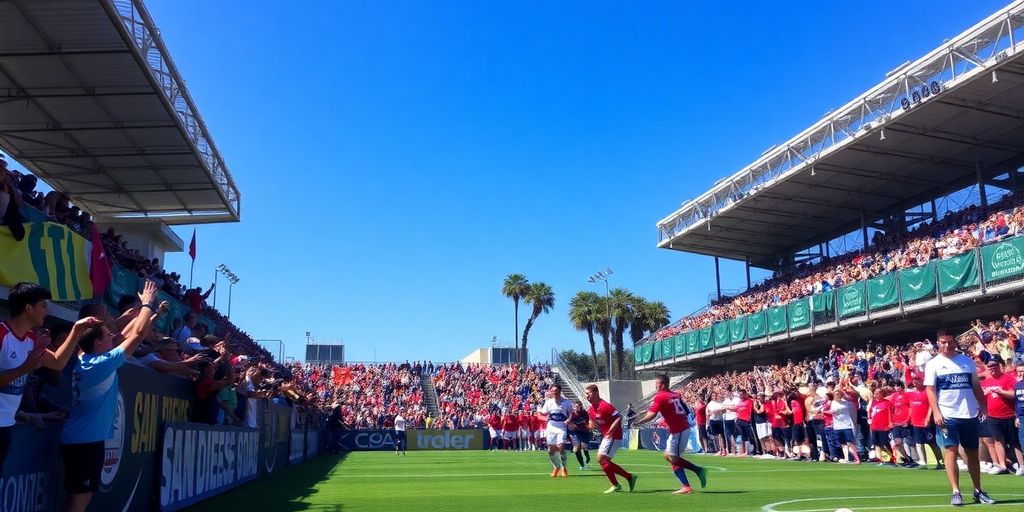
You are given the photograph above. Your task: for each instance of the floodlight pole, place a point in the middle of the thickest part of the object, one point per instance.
(603, 276)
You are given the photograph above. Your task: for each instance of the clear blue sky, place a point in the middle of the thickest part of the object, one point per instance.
(398, 159)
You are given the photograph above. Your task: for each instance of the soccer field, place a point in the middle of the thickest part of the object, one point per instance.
(508, 482)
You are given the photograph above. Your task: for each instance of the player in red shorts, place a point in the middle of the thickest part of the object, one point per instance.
(674, 412)
(604, 417)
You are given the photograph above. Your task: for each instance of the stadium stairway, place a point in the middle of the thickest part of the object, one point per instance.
(429, 393)
(567, 390)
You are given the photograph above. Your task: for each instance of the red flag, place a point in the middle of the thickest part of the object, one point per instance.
(192, 246)
(99, 265)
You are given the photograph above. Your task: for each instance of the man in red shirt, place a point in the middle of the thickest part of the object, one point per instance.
(880, 416)
(777, 412)
(744, 411)
(901, 424)
(494, 427)
(525, 434)
(798, 432)
(605, 418)
(701, 417)
(998, 389)
(510, 427)
(921, 420)
(674, 412)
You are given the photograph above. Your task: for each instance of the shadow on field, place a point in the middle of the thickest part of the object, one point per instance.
(284, 491)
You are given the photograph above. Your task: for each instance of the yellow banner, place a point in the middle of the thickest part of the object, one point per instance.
(51, 255)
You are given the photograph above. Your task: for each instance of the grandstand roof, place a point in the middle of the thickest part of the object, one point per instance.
(925, 131)
(91, 102)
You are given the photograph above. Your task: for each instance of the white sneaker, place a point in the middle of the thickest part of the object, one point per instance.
(996, 470)
(985, 465)
(1020, 471)
(962, 465)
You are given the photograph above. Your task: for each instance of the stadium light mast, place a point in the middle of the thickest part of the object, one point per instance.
(603, 276)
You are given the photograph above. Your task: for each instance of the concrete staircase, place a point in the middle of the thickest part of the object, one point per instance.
(429, 394)
(567, 390)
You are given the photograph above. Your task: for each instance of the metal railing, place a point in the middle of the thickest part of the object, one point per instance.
(971, 284)
(566, 373)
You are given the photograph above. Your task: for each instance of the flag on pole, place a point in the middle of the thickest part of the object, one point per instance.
(100, 272)
(192, 246)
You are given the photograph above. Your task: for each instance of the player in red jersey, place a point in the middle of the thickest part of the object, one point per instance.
(674, 412)
(901, 424)
(605, 418)
(510, 426)
(880, 417)
(494, 429)
(921, 421)
(525, 434)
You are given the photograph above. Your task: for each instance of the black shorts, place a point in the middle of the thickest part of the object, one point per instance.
(924, 435)
(901, 432)
(881, 437)
(5, 445)
(744, 430)
(83, 463)
(781, 434)
(1003, 430)
(400, 437)
(716, 428)
(983, 428)
(798, 434)
(702, 431)
(730, 428)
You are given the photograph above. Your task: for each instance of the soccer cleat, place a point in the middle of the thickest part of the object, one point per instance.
(957, 500)
(554, 472)
(614, 488)
(632, 481)
(565, 472)
(685, 490)
(940, 467)
(582, 468)
(981, 496)
(702, 475)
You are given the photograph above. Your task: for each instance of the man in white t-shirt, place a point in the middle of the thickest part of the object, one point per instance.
(557, 410)
(956, 400)
(400, 439)
(729, 416)
(716, 420)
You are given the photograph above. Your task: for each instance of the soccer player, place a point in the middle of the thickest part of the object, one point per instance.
(557, 410)
(674, 412)
(579, 432)
(494, 429)
(604, 417)
(956, 401)
(510, 426)
(400, 440)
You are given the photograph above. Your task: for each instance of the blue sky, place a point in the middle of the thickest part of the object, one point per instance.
(398, 159)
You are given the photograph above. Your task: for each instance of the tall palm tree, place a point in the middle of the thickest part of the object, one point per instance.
(583, 316)
(603, 325)
(622, 314)
(515, 288)
(648, 317)
(541, 298)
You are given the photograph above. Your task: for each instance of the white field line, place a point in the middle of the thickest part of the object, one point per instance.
(842, 500)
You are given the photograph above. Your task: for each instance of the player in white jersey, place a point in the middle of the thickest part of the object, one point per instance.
(400, 439)
(557, 410)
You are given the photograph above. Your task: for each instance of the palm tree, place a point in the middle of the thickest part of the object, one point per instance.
(648, 317)
(622, 314)
(583, 316)
(603, 324)
(542, 299)
(515, 288)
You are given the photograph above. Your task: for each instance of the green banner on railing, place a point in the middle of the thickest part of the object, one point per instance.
(705, 338)
(756, 326)
(958, 273)
(917, 283)
(722, 334)
(648, 353)
(738, 329)
(851, 300)
(777, 320)
(882, 292)
(692, 342)
(680, 344)
(638, 352)
(1003, 260)
(799, 314)
(124, 283)
(657, 351)
(668, 348)
(822, 302)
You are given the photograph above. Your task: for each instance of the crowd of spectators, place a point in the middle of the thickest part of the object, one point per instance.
(365, 396)
(956, 233)
(807, 390)
(468, 394)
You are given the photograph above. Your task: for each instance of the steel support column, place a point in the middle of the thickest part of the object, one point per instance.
(981, 188)
(718, 280)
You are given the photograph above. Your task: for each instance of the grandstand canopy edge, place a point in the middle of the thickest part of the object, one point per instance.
(949, 120)
(92, 104)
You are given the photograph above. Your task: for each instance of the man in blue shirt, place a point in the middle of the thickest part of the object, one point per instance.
(94, 389)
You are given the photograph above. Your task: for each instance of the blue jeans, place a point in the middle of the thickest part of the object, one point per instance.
(958, 431)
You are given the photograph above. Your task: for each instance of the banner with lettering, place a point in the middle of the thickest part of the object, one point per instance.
(199, 461)
(799, 314)
(1003, 260)
(722, 334)
(657, 350)
(446, 439)
(705, 338)
(777, 320)
(851, 300)
(738, 329)
(680, 344)
(51, 255)
(668, 348)
(692, 342)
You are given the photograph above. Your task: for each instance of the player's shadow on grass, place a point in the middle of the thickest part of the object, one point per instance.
(662, 491)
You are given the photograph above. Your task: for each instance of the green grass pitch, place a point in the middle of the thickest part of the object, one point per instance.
(479, 481)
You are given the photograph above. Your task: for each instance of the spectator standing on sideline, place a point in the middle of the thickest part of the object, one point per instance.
(400, 439)
(956, 401)
(21, 352)
(95, 389)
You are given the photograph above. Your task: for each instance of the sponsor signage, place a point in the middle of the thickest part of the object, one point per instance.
(296, 447)
(446, 439)
(199, 461)
(366, 440)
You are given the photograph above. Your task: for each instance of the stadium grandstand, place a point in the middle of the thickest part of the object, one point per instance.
(877, 171)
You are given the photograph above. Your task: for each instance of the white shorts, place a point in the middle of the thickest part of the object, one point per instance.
(496, 434)
(524, 433)
(676, 443)
(763, 430)
(555, 437)
(538, 434)
(608, 447)
(510, 434)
